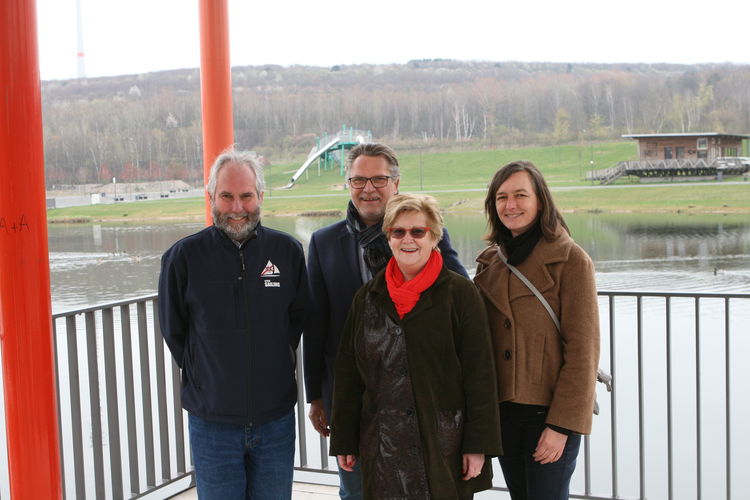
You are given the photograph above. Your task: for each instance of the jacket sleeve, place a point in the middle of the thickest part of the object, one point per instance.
(173, 314)
(317, 324)
(450, 256)
(348, 388)
(573, 399)
(300, 306)
(482, 425)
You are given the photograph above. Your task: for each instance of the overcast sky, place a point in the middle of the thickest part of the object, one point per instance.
(138, 36)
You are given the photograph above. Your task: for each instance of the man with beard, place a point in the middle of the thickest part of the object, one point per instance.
(232, 301)
(341, 258)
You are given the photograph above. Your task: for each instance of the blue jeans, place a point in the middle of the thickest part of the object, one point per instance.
(350, 483)
(243, 462)
(527, 479)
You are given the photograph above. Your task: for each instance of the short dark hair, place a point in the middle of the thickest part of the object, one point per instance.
(373, 149)
(549, 216)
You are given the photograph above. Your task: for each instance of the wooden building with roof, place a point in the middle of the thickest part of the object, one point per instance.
(684, 157)
(707, 146)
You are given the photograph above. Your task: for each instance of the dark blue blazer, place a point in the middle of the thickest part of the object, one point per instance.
(334, 277)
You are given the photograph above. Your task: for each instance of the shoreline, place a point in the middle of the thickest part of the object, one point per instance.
(711, 198)
(340, 214)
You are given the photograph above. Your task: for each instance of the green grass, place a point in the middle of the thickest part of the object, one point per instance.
(705, 198)
(184, 208)
(562, 166)
(458, 181)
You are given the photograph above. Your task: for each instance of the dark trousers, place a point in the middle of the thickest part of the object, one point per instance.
(527, 479)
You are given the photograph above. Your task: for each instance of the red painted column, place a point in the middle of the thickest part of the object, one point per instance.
(216, 85)
(25, 308)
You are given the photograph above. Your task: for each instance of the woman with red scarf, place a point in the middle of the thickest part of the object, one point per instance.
(415, 393)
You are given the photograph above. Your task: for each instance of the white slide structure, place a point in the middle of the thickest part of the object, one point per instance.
(311, 159)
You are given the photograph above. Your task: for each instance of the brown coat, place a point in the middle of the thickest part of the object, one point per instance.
(412, 395)
(536, 364)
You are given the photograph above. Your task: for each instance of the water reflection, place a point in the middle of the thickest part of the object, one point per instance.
(92, 264)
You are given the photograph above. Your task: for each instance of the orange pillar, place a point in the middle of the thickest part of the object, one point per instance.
(216, 85)
(25, 309)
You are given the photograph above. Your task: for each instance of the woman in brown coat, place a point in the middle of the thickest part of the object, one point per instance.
(545, 376)
(415, 398)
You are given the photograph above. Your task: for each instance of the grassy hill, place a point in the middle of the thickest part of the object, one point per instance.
(458, 180)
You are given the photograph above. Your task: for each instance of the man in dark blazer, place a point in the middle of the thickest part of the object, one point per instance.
(341, 258)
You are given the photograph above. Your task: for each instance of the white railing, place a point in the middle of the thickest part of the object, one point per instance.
(672, 428)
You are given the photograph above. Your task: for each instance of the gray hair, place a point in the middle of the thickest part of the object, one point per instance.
(373, 149)
(247, 158)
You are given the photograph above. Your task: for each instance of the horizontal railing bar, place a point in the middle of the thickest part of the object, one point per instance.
(692, 295)
(167, 483)
(98, 307)
(317, 470)
(601, 293)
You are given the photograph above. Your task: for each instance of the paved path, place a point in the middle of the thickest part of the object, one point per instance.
(300, 491)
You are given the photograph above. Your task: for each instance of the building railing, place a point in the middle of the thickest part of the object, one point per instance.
(673, 168)
(123, 432)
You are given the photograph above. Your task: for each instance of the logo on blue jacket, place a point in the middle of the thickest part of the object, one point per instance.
(270, 271)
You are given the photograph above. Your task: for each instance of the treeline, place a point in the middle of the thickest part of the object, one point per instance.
(148, 127)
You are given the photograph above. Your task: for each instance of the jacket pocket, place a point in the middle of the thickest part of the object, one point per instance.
(538, 357)
(450, 430)
(189, 377)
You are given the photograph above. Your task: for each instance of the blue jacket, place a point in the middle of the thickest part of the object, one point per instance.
(232, 318)
(334, 276)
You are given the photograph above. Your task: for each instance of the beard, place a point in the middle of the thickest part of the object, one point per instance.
(236, 231)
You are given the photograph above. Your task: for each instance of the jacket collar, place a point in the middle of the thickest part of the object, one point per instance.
(495, 281)
(348, 253)
(226, 240)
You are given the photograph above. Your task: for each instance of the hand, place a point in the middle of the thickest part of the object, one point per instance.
(347, 462)
(550, 446)
(317, 416)
(472, 465)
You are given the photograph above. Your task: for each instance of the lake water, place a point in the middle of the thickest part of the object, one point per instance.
(94, 264)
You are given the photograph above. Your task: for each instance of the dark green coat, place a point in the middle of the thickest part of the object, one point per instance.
(412, 396)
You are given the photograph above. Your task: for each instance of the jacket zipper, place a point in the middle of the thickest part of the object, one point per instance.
(249, 339)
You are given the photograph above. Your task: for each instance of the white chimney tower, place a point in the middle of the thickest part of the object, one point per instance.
(81, 61)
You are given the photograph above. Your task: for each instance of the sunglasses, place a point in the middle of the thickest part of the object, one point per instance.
(416, 232)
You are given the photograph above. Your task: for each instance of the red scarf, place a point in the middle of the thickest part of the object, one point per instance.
(405, 294)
